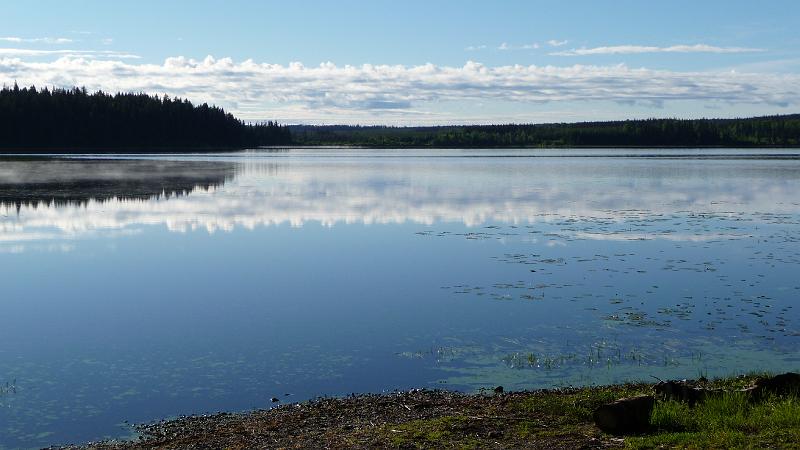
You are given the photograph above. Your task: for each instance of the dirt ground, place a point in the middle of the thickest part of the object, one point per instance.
(552, 419)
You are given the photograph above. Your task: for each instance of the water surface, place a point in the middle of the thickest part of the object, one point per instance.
(140, 287)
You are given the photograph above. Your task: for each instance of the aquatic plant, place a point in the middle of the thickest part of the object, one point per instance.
(9, 387)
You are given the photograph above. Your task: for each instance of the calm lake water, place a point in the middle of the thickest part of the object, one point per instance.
(136, 288)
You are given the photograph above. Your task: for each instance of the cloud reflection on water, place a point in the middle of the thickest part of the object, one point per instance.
(52, 199)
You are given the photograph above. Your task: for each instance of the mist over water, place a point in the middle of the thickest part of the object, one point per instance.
(142, 287)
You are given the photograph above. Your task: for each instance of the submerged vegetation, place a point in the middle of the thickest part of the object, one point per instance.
(777, 131)
(69, 119)
(9, 387)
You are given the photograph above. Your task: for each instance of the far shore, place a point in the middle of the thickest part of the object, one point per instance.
(216, 149)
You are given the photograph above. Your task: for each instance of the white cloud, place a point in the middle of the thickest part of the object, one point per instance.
(555, 43)
(506, 46)
(261, 89)
(636, 49)
(44, 40)
(107, 41)
(473, 48)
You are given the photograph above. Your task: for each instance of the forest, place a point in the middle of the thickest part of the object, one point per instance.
(74, 119)
(771, 131)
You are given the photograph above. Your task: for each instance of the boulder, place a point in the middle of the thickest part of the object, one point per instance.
(787, 383)
(626, 415)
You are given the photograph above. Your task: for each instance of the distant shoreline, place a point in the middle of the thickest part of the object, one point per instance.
(73, 120)
(214, 149)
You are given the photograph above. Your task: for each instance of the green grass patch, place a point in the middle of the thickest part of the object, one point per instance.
(737, 382)
(731, 420)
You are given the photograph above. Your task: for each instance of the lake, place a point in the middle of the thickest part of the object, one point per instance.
(141, 287)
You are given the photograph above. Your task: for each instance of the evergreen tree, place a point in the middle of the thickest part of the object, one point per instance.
(73, 119)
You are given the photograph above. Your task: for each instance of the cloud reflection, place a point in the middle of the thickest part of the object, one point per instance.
(245, 193)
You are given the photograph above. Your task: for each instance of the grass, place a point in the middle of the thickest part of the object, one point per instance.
(572, 407)
(731, 420)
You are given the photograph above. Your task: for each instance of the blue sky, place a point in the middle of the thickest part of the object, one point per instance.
(420, 62)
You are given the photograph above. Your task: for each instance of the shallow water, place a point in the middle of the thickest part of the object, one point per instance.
(141, 287)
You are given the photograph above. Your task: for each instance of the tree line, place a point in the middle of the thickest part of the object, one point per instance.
(770, 131)
(74, 119)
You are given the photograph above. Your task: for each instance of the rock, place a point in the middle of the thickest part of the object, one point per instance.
(498, 390)
(625, 415)
(681, 391)
(275, 399)
(783, 384)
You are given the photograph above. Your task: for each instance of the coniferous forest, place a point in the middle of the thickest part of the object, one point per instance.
(66, 119)
(73, 119)
(772, 131)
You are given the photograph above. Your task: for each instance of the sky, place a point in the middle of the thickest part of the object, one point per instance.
(419, 62)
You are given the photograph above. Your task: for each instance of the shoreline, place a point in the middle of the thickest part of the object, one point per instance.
(552, 419)
(222, 149)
